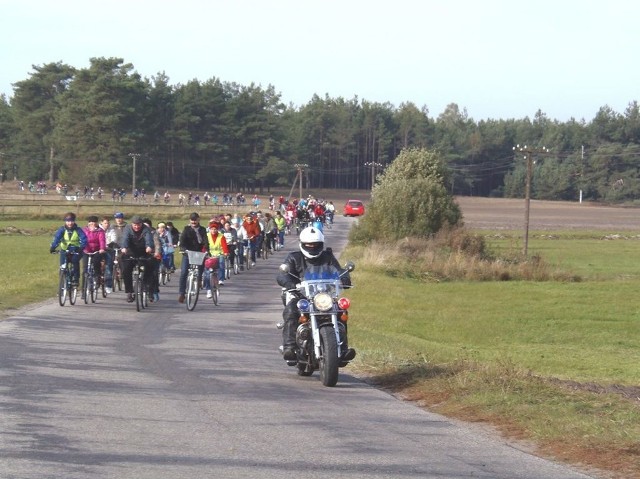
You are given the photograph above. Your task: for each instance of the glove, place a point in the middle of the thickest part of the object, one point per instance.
(52, 249)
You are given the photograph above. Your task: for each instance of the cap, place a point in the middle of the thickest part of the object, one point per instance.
(214, 224)
(136, 220)
(118, 215)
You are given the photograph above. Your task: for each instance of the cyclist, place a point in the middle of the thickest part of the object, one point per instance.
(96, 243)
(157, 248)
(330, 212)
(119, 227)
(252, 233)
(110, 240)
(261, 222)
(270, 232)
(219, 249)
(312, 253)
(281, 224)
(71, 238)
(175, 239)
(231, 235)
(137, 242)
(192, 238)
(166, 244)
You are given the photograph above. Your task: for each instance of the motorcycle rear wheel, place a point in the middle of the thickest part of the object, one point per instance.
(328, 361)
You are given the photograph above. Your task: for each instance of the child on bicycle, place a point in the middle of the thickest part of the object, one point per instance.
(166, 243)
(70, 238)
(96, 243)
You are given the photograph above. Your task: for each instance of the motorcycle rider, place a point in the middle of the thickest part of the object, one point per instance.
(312, 253)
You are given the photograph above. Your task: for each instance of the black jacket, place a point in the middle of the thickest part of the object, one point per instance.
(137, 243)
(189, 239)
(298, 264)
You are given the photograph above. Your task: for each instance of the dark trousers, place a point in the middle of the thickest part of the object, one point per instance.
(127, 273)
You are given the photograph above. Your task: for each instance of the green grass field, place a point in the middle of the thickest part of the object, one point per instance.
(553, 362)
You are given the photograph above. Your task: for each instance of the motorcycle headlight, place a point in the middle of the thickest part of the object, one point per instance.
(323, 301)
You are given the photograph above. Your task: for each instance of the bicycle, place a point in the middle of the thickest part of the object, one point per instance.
(66, 286)
(164, 273)
(233, 260)
(196, 259)
(266, 246)
(212, 265)
(117, 270)
(91, 281)
(247, 254)
(227, 268)
(139, 287)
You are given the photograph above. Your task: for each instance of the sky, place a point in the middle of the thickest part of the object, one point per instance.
(498, 59)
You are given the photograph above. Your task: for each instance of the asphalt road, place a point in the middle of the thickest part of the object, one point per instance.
(102, 391)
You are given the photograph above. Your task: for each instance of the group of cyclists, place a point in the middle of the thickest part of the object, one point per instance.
(113, 241)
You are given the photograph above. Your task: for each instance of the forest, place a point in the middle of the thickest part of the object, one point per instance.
(90, 126)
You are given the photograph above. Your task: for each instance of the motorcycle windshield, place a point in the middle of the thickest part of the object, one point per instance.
(321, 272)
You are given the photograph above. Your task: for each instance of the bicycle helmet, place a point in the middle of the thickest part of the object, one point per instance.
(311, 242)
(118, 215)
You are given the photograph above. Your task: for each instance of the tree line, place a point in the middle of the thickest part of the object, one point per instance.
(85, 127)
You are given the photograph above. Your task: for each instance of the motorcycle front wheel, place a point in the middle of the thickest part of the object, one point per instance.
(328, 361)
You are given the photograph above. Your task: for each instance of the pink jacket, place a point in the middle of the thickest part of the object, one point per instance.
(95, 240)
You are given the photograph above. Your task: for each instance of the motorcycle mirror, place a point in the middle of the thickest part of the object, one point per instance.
(350, 266)
(284, 268)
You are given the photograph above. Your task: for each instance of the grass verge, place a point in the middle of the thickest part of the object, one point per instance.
(554, 361)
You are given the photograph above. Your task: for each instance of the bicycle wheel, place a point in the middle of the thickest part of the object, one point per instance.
(145, 295)
(215, 294)
(193, 289)
(102, 286)
(236, 267)
(227, 269)
(72, 287)
(137, 291)
(94, 289)
(85, 288)
(117, 277)
(62, 287)
(247, 258)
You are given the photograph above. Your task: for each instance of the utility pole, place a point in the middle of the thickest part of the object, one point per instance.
(528, 154)
(373, 166)
(300, 167)
(134, 156)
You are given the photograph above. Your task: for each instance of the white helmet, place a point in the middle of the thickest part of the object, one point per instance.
(311, 242)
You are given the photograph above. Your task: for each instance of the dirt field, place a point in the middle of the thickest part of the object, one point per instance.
(509, 214)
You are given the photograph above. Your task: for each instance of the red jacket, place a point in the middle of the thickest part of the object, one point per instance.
(252, 229)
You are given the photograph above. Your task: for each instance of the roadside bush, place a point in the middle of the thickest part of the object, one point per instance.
(409, 199)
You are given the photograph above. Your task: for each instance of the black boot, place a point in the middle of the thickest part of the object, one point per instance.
(289, 353)
(289, 340)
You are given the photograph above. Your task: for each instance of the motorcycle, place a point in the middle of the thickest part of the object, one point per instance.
(321, 336)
